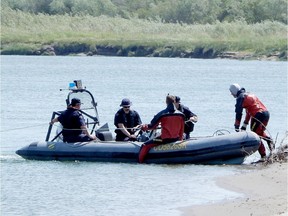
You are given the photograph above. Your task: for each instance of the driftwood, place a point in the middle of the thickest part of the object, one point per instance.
(280, 154)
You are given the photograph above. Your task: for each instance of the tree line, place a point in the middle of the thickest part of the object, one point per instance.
(166, 11)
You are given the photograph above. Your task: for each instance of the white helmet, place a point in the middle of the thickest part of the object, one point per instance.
(234, 88)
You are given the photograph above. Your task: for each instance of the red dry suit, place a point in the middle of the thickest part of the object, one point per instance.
(172, 129)
(257, 112)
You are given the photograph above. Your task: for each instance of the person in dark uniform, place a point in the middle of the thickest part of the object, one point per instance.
(190, 117)
(127, 121)
(74, 127)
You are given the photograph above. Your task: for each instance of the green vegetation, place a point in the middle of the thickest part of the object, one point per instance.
(168, 28)
(167, 11)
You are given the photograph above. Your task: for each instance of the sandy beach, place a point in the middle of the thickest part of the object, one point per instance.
(265, 194)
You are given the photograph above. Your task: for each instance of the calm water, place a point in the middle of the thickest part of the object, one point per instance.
(30, 92)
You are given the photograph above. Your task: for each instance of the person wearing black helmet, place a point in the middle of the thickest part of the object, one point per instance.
(127, 121)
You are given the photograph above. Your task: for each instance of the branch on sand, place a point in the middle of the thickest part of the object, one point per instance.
(280, 155)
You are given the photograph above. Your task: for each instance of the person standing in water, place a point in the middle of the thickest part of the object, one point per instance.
(256, 111)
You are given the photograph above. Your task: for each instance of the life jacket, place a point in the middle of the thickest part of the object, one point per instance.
(71, 120)
(172, 125)
(129, 120)
(252, 104)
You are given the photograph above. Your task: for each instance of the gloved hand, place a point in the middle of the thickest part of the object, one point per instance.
(144, 127)
(194, 119)
(244, 126)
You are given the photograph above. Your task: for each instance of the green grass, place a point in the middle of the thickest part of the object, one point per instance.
(24, 31)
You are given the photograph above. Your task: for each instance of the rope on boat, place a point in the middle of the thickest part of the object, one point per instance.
(221, 132)
(271, 139)
(246, 152)
(100, 130)
(21, 128)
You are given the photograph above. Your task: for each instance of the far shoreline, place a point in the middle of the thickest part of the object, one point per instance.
(142, 51)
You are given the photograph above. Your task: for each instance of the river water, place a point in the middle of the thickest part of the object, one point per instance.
(30, 92)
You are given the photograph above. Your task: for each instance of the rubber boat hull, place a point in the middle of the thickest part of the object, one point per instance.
(223, 149)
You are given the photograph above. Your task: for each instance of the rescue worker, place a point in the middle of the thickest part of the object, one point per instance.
(256, 111)
(127, 121)
(190, 117)
(172, 127)
(74, 127)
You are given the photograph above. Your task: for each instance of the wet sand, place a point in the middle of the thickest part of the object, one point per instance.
(265, 194)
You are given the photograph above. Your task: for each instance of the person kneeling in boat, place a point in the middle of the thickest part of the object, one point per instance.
(127, 122)
(172, 127)
(74, 127)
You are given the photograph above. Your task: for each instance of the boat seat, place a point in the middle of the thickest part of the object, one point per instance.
(104, 136)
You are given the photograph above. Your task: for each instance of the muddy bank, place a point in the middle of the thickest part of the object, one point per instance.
(141, 51)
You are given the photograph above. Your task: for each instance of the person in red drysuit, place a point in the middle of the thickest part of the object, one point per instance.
(256, 111)
(172, 127)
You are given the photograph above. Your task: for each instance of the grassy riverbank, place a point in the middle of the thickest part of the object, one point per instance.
(30, 34)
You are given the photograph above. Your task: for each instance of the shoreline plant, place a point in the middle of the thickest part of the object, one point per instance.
(28, 34)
